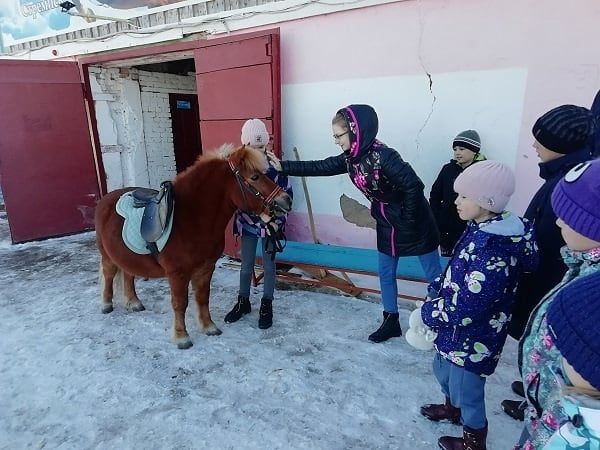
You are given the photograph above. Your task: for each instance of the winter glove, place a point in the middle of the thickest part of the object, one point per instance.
(274, 160)
(419, 335)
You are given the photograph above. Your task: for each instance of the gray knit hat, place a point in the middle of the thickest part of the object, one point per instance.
(468, 139)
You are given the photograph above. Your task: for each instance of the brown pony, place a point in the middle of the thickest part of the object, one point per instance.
(206, 196)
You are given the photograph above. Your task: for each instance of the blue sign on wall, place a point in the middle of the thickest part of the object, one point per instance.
(183, 104)
(29, 19)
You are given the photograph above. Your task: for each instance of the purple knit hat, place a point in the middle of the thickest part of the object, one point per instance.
(573, 318)
(576, 199)
(488, 183)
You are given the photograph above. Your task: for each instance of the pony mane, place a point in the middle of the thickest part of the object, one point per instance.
(223, 151)
(245, 158)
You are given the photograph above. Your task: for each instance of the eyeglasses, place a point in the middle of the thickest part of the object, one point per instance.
(337, 137)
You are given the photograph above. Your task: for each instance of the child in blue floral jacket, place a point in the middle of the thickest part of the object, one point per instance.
(471, 311)
(251, 228)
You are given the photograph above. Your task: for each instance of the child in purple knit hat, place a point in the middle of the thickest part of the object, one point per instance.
(576, 201)
(573, 321)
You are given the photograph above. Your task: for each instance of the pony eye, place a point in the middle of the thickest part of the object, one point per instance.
(254, 177)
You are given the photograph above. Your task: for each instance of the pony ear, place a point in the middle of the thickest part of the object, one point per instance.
(249, 159)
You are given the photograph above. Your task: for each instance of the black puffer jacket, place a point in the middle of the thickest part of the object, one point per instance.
(405, 223)
(534, 286)
(441, 199)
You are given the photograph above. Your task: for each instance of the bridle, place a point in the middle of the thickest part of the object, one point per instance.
(268, 202)
(275, 239)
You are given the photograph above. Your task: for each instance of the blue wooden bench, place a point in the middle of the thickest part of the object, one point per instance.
(310, 256)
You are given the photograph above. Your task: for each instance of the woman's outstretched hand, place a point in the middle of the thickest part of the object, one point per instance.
(274, 160)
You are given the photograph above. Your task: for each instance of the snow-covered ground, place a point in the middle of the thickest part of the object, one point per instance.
(73, 378)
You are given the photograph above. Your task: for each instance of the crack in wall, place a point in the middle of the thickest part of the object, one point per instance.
(428, 74)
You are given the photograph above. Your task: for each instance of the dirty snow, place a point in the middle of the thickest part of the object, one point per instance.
(73, 378)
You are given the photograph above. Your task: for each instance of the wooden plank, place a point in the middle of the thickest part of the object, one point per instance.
(333, 280)
(333, 284)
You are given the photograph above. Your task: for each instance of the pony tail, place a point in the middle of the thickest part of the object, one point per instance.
(119, 286)
(101, 281)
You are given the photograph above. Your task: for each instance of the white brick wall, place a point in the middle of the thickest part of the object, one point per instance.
(155, 88)
(134, 120)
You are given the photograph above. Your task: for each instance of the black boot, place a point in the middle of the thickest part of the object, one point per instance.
(241, 307)
(515, 408)
(517, 388)
(265, 316)
(389, 328)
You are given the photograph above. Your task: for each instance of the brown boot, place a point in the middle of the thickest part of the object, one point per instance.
(471, 440)
(439, 412)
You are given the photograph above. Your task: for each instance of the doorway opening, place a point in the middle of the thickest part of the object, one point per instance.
(147, 114)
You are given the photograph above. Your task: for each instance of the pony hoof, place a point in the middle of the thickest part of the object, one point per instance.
(136, 307)
(184, 344)
(107, 309)
(212, 330)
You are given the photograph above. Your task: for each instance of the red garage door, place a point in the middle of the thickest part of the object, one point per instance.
(238, 80)
(49, 177)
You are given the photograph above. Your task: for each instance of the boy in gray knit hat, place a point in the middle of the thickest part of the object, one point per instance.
(467, 150)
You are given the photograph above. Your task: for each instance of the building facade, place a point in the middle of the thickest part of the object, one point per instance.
(431, 68)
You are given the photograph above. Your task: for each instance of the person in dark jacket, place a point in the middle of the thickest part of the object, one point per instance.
(561, 136)
(405, 223)
(467, 150)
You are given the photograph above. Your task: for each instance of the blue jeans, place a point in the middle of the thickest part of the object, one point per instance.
(430, 262)
(466, 390)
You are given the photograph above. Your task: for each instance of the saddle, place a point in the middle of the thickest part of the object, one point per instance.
(157, 212)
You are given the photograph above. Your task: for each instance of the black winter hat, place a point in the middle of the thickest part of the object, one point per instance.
(565, 129)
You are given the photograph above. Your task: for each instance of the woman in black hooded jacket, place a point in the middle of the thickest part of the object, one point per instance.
(405, 223)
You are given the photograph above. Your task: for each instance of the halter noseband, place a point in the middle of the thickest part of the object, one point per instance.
(268, 201)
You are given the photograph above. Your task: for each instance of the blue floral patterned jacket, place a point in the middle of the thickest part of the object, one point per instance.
(476, 293)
